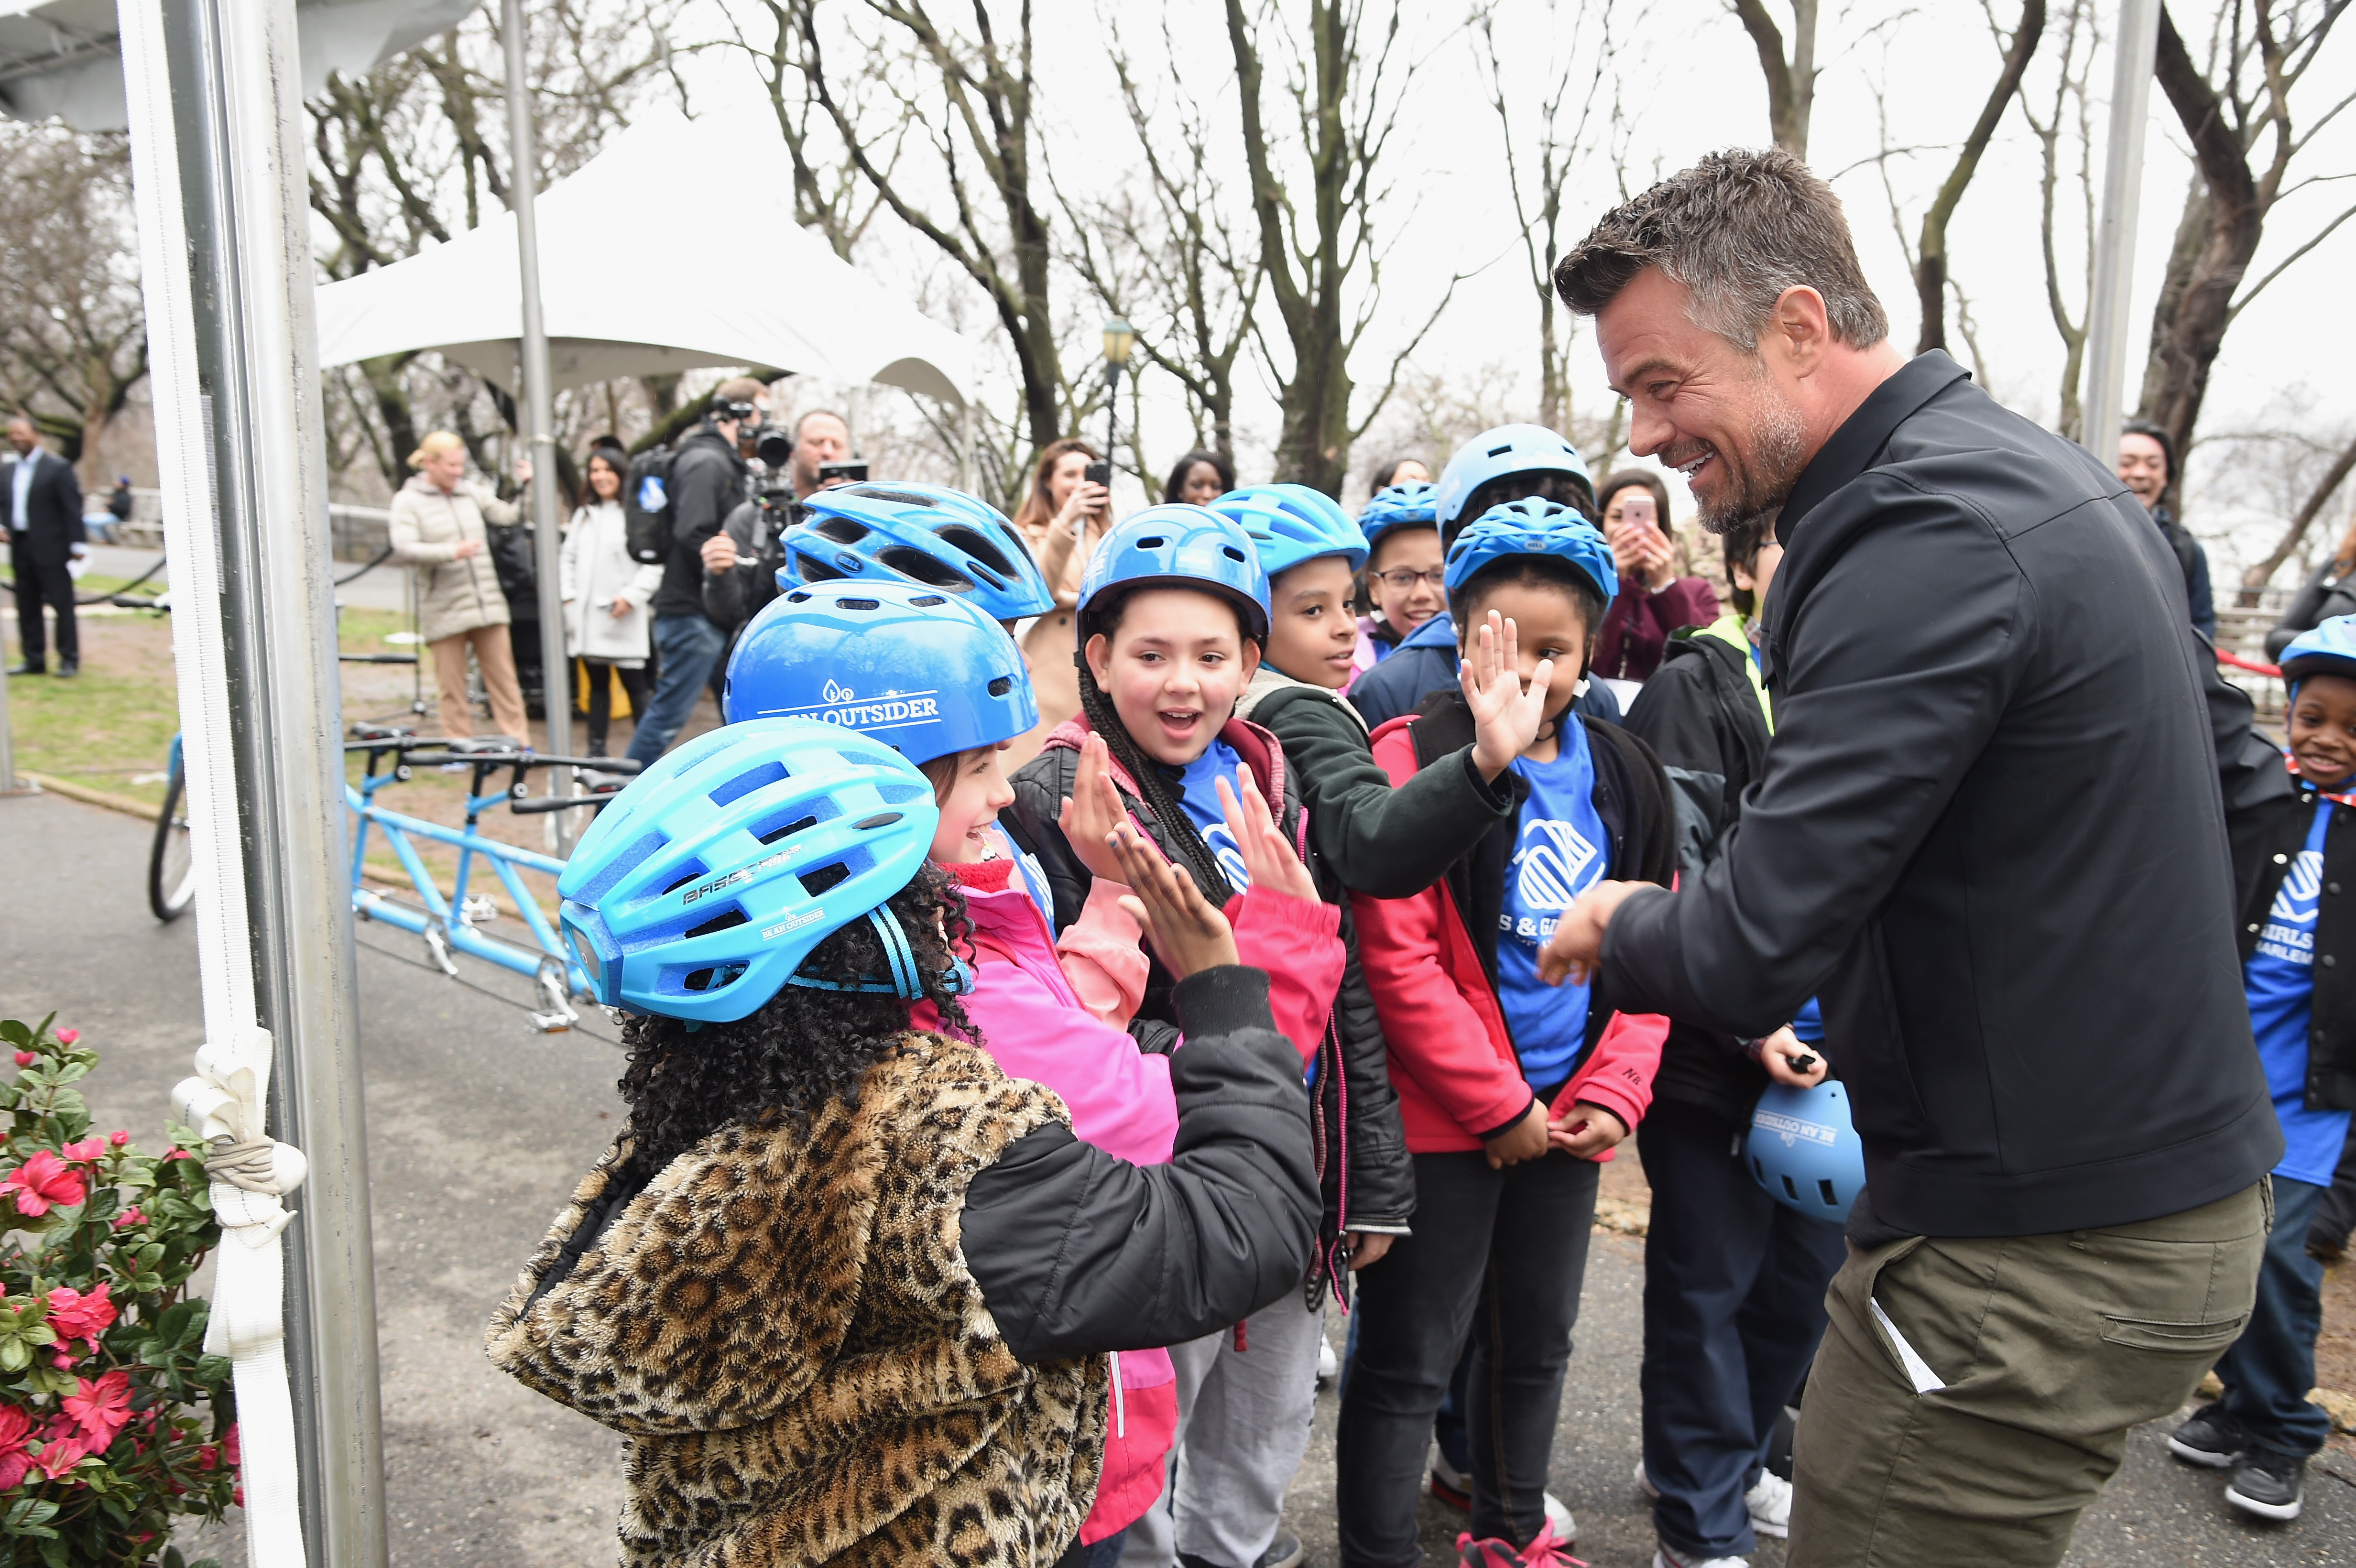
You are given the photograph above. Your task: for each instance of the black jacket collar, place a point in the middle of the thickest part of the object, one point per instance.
(1850, 450)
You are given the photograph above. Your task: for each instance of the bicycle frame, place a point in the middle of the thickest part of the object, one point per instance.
(448, 924)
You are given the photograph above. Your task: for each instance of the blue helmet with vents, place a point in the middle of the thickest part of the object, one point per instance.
(1533, 527)
(703, 888)
(2328, 650)
(925, 672)
(1397, 505)
(1291, 523)
(1805, 1151)
(1178, 546)
(925, 535)
(1508, 449)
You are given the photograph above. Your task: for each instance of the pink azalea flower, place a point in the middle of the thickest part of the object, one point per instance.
(76, 1316)
(101, 1408)
(229, 1447)
(26, 1059)
(15, 1431)
(88, 1148)
(118, 1137)
(207, 1456)
(170, 1154)
(43, 1180)
(61, 1448)
(131, 1216)
(68, 1036)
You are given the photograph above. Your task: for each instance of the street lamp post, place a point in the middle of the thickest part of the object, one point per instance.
(1119, 338)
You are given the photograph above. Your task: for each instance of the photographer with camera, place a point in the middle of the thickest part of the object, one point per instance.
(741, 561)
(708, 481)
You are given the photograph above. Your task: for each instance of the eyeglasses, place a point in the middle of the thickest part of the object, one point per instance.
(1404, 580)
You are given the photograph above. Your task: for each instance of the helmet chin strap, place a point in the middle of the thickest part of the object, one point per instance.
(906, 981)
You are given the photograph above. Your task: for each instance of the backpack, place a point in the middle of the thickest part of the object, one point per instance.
(646, 506)
(509, 545)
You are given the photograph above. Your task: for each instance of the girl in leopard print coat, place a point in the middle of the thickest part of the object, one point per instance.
(845, 1288)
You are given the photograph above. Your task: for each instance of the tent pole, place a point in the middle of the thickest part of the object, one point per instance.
(218, 159)
(2103, 408)
(539, 424)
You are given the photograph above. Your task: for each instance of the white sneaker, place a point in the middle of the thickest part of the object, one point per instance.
(1565, 1529)
(1770, 1503)
(1644, 1483)
(1329, 1365)
(1664, 1558)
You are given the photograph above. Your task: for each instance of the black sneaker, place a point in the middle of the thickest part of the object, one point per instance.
(2269, 1485)
(2212, 1439)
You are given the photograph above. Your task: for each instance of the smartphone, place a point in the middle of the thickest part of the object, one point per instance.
(1100, 474)
(1638, 512)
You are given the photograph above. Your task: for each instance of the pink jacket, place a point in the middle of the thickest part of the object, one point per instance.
(1030, 1001)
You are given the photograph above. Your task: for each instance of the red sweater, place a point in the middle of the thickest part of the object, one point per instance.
(1451, 1060)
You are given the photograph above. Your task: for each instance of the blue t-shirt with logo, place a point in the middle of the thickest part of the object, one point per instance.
(1198, 795)
(1561, 850)
(2279, 979)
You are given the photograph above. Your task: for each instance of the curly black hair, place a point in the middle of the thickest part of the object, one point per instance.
(804, 1047)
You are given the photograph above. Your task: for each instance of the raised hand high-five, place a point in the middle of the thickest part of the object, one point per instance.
(1505, 719)
(1093, 810)
(1188, 934)
(1268, 859)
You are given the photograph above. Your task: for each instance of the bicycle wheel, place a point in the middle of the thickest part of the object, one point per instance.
(172, 868)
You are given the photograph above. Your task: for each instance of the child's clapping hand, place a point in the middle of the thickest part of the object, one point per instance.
(1185, 930)
(1268, 860)
(1093, 810)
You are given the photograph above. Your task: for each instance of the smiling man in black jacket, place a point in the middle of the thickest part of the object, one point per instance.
(1988, 836)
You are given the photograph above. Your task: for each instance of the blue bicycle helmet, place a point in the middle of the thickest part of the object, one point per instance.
(924, 534)
(2328, 650)
(1397, 505)
(702, 888)
(1178, 546)
(1806, 1152)
(1508, 449)
(1533, 527)
(927, 674)
(1291, 523)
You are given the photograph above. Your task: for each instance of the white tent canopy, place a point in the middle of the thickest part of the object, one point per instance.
(658, 255)
(64, 57)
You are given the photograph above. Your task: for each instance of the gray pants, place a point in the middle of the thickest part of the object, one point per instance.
(2050, 1348)
(1243, 1425)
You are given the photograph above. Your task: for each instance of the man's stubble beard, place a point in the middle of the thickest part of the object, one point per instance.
(1763, 474)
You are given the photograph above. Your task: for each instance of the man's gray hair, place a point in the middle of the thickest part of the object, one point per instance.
(1737, 229)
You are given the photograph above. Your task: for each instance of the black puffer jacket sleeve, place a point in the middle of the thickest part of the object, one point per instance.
(1077, 1252)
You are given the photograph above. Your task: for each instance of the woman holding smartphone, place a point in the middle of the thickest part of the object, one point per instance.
(1653, 601)
(1068, 509)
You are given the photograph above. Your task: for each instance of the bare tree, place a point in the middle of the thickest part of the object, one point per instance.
(971, 99)
(2070, 114)
(1790, 77)
(73, 336)
(2293, 536)
(2240, 106)
(1930, 250)
(1561, 142)
(827, 188)
(1319, 255)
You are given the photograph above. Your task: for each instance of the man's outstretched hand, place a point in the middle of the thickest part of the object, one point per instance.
(1577, 945)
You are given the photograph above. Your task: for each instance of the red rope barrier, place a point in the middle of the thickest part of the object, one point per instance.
(2253, 665)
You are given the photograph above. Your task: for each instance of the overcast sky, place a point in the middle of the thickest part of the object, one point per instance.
(1690, 83)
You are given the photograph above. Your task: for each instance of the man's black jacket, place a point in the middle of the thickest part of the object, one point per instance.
(2272, 850)
(707, 483)
(52, 506)
(1989, 837)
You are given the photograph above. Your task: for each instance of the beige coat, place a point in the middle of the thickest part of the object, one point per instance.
(453, 596)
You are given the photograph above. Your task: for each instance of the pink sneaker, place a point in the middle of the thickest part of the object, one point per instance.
(1543, 1551)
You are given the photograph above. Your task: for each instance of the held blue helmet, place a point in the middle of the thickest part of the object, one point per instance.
(1805, 1151)
(927, 674)
(702, 888)
(1397, 505)
(1178, 546)
(1533, 527)
(1508, 449)
(1291, 523)
(922, 534)
(2328, 650)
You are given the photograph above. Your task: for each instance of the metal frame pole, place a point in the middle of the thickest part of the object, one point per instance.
(539, 410)
(8, 740)
(2102, 408)
(240, 421)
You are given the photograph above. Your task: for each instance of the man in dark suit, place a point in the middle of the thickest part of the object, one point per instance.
(43, 508)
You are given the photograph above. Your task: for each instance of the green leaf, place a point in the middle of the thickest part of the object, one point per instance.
(29, 1515)
(16, 1034)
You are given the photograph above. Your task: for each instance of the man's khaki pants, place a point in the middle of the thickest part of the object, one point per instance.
(495, 655)
(2049, 1346)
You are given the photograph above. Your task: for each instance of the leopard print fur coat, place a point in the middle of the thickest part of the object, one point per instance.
(786, 1331)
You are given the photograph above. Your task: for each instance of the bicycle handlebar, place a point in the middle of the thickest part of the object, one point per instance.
(376, 658)
(547, 803)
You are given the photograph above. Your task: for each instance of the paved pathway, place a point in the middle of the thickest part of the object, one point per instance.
(477, 1128)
